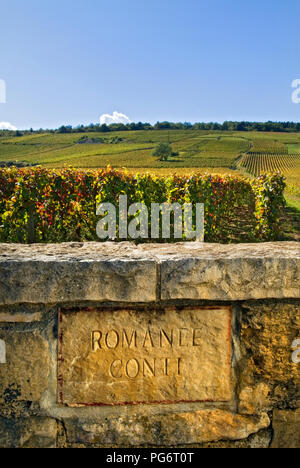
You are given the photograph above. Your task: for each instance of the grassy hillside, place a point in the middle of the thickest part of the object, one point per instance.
(132, 149)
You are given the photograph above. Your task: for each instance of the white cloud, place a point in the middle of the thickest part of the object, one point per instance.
(7, 126)
(116, 117)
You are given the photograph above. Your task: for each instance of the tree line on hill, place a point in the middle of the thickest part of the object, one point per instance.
(119, 127)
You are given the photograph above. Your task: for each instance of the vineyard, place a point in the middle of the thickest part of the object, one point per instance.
(268, 146)
(202, 151)
(257, 164)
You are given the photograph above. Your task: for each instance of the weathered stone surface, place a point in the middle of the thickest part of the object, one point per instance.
(286, 426)
(24, 376)
(234, 273)
(35, 432)
(254, 399)
(260, 440)
(267, 333)
(38, 275)
(6, 317)
(169, 429)
(33, 279)
(127, 356)
(127, 273)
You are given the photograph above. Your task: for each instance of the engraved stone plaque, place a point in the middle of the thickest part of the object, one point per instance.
(114, 357)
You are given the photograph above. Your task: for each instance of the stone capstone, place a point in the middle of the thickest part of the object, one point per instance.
(127, 273)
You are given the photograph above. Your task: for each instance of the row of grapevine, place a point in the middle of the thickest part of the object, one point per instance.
(261, 163)
(44, 205)
(268, 146)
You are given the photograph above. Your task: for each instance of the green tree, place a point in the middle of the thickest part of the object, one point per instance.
(163, 151)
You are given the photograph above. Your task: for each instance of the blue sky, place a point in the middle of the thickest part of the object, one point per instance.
(69, 61)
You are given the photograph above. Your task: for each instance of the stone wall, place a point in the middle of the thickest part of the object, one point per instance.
(232, 312)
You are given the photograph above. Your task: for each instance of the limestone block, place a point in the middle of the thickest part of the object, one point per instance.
(239, 272)
(147, 356)
(24, 375)
(35, 432)
(286, 426)
(124, 272)
(46, 274)
(166, 429)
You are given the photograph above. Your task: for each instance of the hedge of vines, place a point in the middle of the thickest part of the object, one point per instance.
(46, 205)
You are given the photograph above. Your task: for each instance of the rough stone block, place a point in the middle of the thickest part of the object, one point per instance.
(24, 375)
(232, 273)
(35, 432)
(267, 333)
(286, 426)
(49, 281)
(168, 429)
(127, 273)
